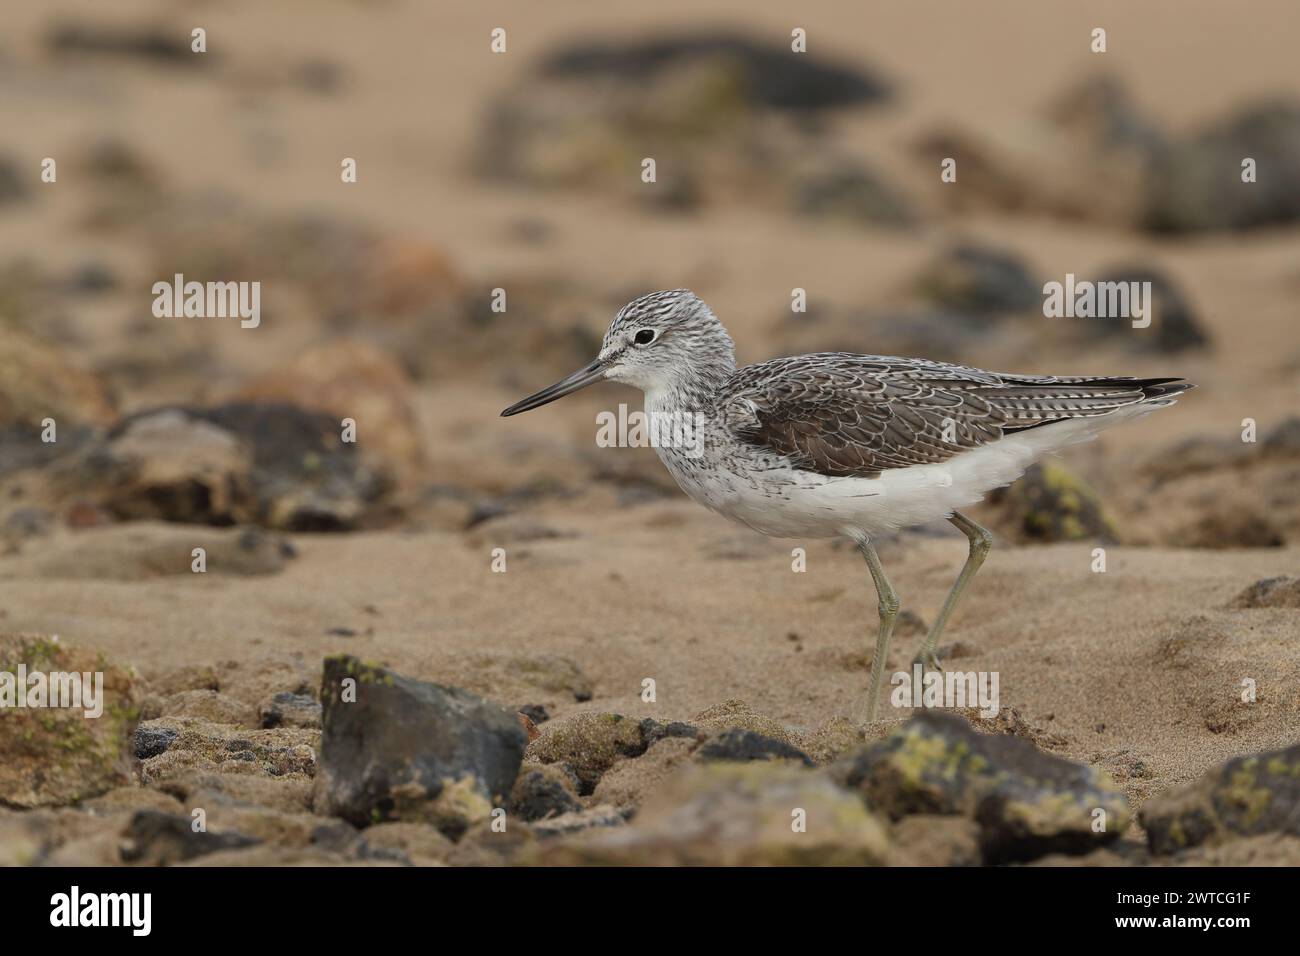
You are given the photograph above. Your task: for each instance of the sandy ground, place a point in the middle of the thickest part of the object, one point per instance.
(1136, 669)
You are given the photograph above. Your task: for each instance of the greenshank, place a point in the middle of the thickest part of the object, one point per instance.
(837, 444)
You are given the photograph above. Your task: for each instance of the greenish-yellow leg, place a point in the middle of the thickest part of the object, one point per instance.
(980, 543)
(888, 604)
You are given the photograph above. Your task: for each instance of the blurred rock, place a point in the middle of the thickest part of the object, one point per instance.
(13, 188)
(737, 814)
(165, 839)
(290, 710)
(1099, 116)
(1026, 803)
(54, 756)
(410, 750)
(588, 744)
(1196, 184)
(543, 790)
(351, 379)
(1281, 591)
(1283, 441)
(926, 839)
(972, 278)
(1229, 525)
(140, 552)
(744, 745)
(1050, 504)
(773, 77)
(273, 465)
(737, 714)
(851, 192)
(626, 784)
(1244, 797)
(1175, 326)
(736, 116)
(38, 380)
(134, 41)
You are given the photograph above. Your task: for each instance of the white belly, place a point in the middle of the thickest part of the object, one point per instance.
(786, 503)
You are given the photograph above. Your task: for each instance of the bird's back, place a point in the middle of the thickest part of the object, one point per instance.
(842, 414)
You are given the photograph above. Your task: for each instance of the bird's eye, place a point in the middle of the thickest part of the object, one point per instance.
(644, 337)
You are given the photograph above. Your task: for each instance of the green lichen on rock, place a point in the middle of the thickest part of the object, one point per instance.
(1244, 797)
(588, 744)
(1026, 802)
(762, 813)
(1052, 504)
(54, 756)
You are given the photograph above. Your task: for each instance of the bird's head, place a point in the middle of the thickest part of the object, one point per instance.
(659, 342)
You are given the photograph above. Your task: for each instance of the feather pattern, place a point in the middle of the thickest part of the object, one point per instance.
(837, 413)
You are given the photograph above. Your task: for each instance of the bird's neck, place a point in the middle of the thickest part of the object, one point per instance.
(693, 388)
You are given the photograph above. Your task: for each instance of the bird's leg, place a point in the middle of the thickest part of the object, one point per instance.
(981, 541)
(888, 604)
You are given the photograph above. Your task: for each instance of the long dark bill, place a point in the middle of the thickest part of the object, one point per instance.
(565, 386)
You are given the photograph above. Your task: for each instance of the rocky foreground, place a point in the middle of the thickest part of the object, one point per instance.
(268, 763)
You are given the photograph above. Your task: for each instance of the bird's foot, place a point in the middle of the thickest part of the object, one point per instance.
(928, 661)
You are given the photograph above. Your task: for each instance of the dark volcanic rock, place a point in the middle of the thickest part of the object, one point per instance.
(1196, 185)
(273, 465)
(744, 745)
(973, 278)
(543, 791)
(409, 750)
(1243, 797)
(152, 741)
(290, 710)
(1175, 326)
(163, 839)
(1027, 803)
(773, 76)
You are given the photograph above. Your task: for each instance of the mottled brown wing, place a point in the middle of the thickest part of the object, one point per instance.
(855, 415)
(842, 414)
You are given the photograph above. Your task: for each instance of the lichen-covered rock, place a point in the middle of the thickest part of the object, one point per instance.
(396, 748)
(57, 755)
(168, 746)
(588, 744)
(735, 713)
(738, 814)
(543, 790)
(1244, 797)
(1026, 802)
(1050, 504)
